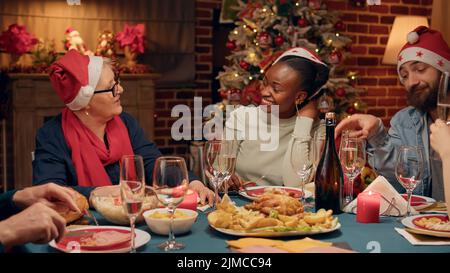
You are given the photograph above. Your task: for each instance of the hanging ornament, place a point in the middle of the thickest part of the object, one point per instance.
(326, 103)
(314, 4)
(231, 45)
(234, 96)
(302, 22)
(335, 57)
(351, 110)
(358, 106)
(340, 26)
(290, 30)
(279, 40)
(244, 65)
(223, 94)
(264, 40)
(340, 92)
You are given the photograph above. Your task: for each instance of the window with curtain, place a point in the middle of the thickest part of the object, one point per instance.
(169, 27)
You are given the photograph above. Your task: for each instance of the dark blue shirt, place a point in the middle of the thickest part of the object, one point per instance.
(7, 206)
(53, 159)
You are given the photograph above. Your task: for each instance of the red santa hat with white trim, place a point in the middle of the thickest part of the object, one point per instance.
(427, 46)
(74, 78)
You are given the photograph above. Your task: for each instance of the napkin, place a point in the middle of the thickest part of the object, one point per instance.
(422, 240)
(383, 187)
(260, 245)
(203, 208)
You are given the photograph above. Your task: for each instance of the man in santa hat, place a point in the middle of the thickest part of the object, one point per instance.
(421, 62)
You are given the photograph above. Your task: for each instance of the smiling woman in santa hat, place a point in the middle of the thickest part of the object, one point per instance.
(82, 146)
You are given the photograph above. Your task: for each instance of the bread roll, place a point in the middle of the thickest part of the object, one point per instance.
(69, 214)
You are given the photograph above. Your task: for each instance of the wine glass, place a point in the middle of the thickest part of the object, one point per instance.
(301, 164)
(443, 105)
(353, 159)
(170, 183)
(344, 136)
(132, 189)
(220, 160)
(409, 170)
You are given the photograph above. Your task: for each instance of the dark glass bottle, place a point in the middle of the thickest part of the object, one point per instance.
(329, 180)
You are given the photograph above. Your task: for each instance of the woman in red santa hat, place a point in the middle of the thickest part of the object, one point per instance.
(83, 145)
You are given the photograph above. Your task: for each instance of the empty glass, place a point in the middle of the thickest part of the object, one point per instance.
(170, 183)
(301, 164)
(409, 170)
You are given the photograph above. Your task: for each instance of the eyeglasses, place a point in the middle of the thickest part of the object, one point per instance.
(114, 89)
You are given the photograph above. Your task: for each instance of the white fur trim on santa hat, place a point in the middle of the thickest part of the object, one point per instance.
(412, 37)
(302, 53)
(86, 92)
(422, 55)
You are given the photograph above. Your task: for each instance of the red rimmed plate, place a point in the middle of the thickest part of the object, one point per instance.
(412, 227)
(254, 192)
(443, 218)
(419, 202)
(108, 239)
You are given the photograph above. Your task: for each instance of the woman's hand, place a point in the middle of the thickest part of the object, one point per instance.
(440, 134)
(203, 192)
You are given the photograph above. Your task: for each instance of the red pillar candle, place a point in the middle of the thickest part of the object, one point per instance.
(190, 200)
(368, 207)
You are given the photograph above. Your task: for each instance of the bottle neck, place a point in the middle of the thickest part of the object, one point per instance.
(330, 125)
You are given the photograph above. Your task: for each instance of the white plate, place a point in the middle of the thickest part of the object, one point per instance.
(408, 222)
(141, 239)
(274, 233)
(244, 193)
(428, 201)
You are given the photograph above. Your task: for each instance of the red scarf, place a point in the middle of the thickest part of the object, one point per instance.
(89, 153)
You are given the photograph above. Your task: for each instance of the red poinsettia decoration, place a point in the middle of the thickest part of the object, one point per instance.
(17, 40)
(132, 36)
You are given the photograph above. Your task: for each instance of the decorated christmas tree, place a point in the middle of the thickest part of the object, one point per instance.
(266, 28)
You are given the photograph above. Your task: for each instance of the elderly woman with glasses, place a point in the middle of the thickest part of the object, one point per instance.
(83, 145)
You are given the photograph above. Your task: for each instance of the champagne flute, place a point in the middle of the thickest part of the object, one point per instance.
(443, 105)
(132, 189)
(409, 170)
(353, 159)
(220, 160)
(170, 183)
(302, 164)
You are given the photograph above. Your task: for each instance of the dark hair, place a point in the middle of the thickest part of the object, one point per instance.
(312, 75)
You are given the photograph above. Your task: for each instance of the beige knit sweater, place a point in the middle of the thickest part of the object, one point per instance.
(252, 162)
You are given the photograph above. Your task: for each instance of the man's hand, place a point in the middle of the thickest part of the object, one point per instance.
(48, 194)
(36, 224)
(204, 193)
(360, 126)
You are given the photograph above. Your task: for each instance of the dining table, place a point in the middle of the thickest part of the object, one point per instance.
(363, 238)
